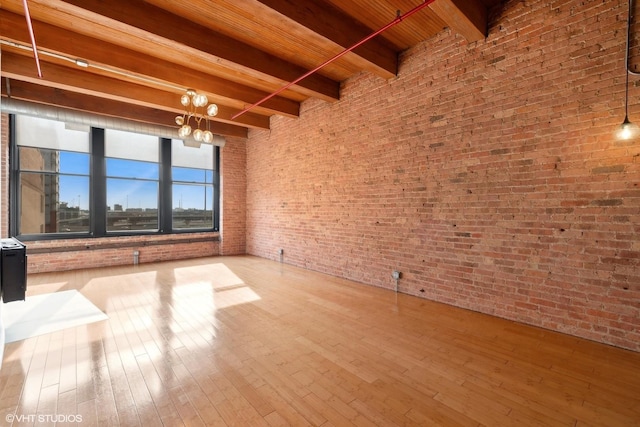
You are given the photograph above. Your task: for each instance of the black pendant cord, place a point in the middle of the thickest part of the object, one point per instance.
(626, 58)
(626, 65)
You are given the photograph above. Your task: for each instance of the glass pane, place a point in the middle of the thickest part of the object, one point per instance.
(36, 159)
(40, 159)
(191, 157)
(51, 203)
(132, 169)
(192, 175)
(74, 163)
(132, 205)
(44, 133)
(192, 206)
(129, 145)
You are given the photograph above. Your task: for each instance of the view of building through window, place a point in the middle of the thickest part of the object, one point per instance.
(54, 177)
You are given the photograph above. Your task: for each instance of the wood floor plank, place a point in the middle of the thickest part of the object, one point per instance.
(188, 414)
(54, 360)
(47, 405)
(67, 405)
(88, 410)
(28, 404)
(243, 341)
(198, 398)
(68, 379)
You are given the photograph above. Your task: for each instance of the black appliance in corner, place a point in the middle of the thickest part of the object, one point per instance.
(13, 270)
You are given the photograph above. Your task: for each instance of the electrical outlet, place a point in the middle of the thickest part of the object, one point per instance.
(281, 251)
(395, 274)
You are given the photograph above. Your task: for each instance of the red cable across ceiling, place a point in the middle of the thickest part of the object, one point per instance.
(397, 20)
(33, 37)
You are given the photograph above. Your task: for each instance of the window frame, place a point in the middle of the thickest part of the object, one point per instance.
(56, 175)
(178, 180)
(98, 193)
(132, 179)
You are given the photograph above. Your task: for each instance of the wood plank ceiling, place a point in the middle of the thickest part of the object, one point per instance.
(143, 55)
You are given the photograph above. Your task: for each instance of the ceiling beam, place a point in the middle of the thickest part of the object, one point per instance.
(75, 45)
(467, 17)
(340, 28)
(163, 29)
(25, 91)
(20, 67)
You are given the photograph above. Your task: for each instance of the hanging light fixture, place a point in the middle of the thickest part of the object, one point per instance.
(196, 108)
(627, 129)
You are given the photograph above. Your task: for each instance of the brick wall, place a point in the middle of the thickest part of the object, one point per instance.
(234, 182)
(70, 254)
(487, 173)
(4, 181)
(74, 254)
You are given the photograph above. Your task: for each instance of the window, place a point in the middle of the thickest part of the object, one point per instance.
(133, 178)
(53, 178)
(69, 183)
(192, 187)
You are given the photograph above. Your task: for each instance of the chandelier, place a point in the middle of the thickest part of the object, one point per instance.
(196, 108)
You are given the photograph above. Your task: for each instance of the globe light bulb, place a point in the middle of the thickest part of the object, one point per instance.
(627, 130)
(185, 100)
(197, 135)
(184, 131)
(207, 137)
(212, 110)
(199, 100)
(179, 120)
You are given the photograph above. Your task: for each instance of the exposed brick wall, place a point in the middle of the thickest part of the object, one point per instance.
(4, 175)
(234, 189)
(487, 173)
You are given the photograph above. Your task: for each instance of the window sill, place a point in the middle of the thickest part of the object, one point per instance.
(117, 242)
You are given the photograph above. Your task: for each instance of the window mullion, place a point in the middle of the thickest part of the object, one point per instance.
(98, 184)
(14, 162)
(216, 189)
(165, 186)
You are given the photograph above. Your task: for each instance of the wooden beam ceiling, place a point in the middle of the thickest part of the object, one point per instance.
(149, 70)
(147, 25)
(143, 55)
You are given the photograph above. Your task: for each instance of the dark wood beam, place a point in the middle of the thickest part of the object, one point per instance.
(466, 17)
(74, 45)
(25, 91)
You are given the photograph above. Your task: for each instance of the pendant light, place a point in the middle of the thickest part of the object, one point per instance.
(196, 107)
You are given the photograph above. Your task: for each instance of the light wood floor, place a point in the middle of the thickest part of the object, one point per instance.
(242, 341)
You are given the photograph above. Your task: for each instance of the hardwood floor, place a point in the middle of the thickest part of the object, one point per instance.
(243, 341)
